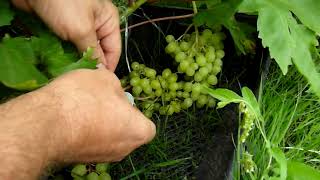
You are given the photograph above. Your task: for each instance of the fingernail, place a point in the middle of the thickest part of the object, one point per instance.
(101, 66)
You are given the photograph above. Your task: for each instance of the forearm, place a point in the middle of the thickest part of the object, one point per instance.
(25, 136)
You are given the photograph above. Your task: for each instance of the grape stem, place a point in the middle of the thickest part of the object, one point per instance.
(189, 27)
(159, 19)
(127, 87)
(195, 11)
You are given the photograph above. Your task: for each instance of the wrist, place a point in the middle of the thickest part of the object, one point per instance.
(27, 135)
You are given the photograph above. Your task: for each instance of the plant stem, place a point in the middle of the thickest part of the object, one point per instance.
(195, 11)
(159, 19)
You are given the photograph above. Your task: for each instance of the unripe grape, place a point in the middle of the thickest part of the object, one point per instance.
(199, 105)
(166, 97)
(196, 88)
(102, 167)
(198, 77)
(201, 60)
(184, 65)
(170, 110)
(190, 59)
(172, 78)
(170, 38)
(187, 103)
(173, 94)
(162, 110)
(215, 38)
(184, 46)
(104, 176)
(180, 56)
(79, 170)
(147, 105)
(190, 71)
(135, 81)
(218, 62)
(144, 83)
(158, 92)
(151, 73)
(176, 106)
(133, 74)
(147, 89)
(124, 82)
(211, 102)
(220, 54)
(210, 56)
(179, 94)
(171, 47)
(203, 71)
(207, 33)
(209, 66)
(212, 80)
(148, 113)
(142, 67)
(203, 99)
(166, 73)
(92, 176)
(202, 40)
(180, 85)
(135, 66)
(163, 83)
(185, 94)
(215, 70)
(155, 84)
(187, 87)
(173, 86)
(195, 66)
(156, 106)
(136, 90)
(195, 95)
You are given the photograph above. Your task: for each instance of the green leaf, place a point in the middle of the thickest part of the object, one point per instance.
(250, 99)
(298, 171)
(281, 160)
(17, 73)
(308, 12)
(6, 14)
(274, 32)
(302, 57)
(250, 6)
(226, 96)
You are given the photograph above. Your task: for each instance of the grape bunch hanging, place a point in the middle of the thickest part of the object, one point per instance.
(198, 59)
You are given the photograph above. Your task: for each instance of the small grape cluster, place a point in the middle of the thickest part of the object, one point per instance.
(199, 57)
(99, 172)
(247, 122)
(163, 93)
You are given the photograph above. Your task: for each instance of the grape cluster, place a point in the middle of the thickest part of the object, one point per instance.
(99, 172)
(199, 57)
(163, 93)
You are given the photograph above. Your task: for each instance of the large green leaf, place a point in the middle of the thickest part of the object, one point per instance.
(279, 156)
(16, 72)
(274, 32)
(6, 14)
(251, 100)
(299, 171)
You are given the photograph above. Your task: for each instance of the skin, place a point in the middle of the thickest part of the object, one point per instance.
(82, 116)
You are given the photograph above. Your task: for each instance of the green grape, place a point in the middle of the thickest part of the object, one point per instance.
(203, 71)
(163, 83)
(176, 106)
(207, 33)
(144, 82)
(92, 176)
(102, 167)
(156, 106)
(133, 74)
(151, 73)
(202, 40)
(195, 95)
(198, 77)
(218, 62)
(172, 78)
(172, 94)
(178, 50)
(166, 73)
(147, 89)
(184, 65)
(196, 88)
(136, 90)
(162, 110)
(210, 56)
(135, 66)
(148, 113)
(220, 54)
(203, 99)
(180, 85)
(189, 59)
(124, 82)
(184, 46)
(79, 170)
(190, 71)
(173, 86)
(201, 60)
(146, 105)
(212, 80)
(194, 65)
(158, 92)
(199, 105)
(180, 56)
(187, 103)
(170, 110)
(171, 47)
(179, 69)
(215, 38)
(187, 86)
(135, 81)
(166, 97)
(211, 102)
(142, 67)
(216, 70)
(155, 84)
(105, 176)
(179, 94)
(209, 66)
(170, 38)
(185, 94)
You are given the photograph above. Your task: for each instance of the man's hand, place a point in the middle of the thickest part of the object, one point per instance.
(87, 23)
(83, 116)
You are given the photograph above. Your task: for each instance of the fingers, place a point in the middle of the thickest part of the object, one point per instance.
(22, 4)
(109, 35)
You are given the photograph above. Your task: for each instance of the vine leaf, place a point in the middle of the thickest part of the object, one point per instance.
(6, 14)
(17, 72)
(298, 170)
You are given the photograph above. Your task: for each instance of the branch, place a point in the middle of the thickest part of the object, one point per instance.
(159, 19)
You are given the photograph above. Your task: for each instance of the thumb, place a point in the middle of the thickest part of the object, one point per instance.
(89, 39)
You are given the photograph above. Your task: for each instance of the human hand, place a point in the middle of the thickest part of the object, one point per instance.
(82, 116)
(87, 23)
